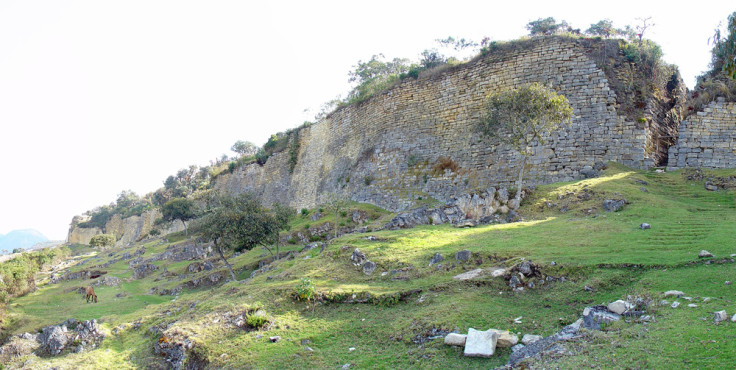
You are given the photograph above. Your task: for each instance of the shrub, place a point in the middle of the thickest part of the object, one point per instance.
(256, 320)
(304, 212)
(367, 180)
(102, 240)
(445, 163)
(231, 167)
(412, 161)
(305, 290)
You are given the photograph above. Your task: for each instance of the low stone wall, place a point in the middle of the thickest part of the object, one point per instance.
(707, 139)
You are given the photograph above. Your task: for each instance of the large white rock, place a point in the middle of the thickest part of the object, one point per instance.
(498, 272)
(480, 343)
(720, 316)
(619, 306)
(472, 274)
(454, 339)
(705, 254)
(530, 338)
(733, 319)
(673, 293)
(505, 338)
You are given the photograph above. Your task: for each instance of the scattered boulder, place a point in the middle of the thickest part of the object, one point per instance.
(505, 338)
(675, 304)
(500, 271)
(437, 258)
(705, 254)
(517, 347)
(108, 281)
(514, 281)
(620, 306)
(143, 270)
(195, 267)
(526, 268)
(316, 216)
(314, 245)
(357, 257)
(530, 338)
(472, 274)
(466, 223)
(54, 339)
(369, 267)
(172, 349)
(463, 255)
(454, 339)
(614, 205)
(594, 316)
(733, 319)
(480, 343)
(673, 293)
(645, 226)
(720, 316)
(588, 172)
(274, 339)
(567, 333)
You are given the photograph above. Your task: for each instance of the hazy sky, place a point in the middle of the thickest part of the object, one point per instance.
(101, 96)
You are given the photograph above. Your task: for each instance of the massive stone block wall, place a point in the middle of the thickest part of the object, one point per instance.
(384, 151)
(126, 230)
(707, 139)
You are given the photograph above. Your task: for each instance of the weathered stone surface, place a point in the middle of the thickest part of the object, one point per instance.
(705, 254)
(369, 267)
(675, 304)
(620, 306)
(526, 268)
(594, 316)
(357, 257)
(707, 139)
(720, 316)
(472, 274)
(673, 293)
(645, 226)
(535, 348)
(613, 205)
(480, 343)
(437, 258)
(505, 338)
(530, 338)
(144, 269)
(454, 339)
(462, 256)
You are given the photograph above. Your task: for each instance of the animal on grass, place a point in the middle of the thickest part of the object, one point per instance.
(90, 295)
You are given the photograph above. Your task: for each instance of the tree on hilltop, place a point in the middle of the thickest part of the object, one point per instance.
(522, 116)
(182, 209)
(724, 49)
(244, 148)
(237, 224)
(603, 28)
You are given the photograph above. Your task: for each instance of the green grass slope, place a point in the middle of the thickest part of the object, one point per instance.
(406, 301)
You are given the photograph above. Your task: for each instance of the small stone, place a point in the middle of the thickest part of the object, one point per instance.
(463, 255)
(505, 338)
(437, 258)
(733, 319)
(645, 226)
(706, 299)
(692, 305)
(514, 281)
(675, 304)
(664, 302)
(498, 272)
(705, 254)
(526, 268)
(720, 316)
(454, 339)
(369, 267)
(588, 288)
(480, 343)
(619, 306)
(472, 274)
(675, 293)
(530, 338)
(613, 205)
(308, 349)
(728, 282)
(345, 367)
(351, 349)
(274, 339)
(518, 320)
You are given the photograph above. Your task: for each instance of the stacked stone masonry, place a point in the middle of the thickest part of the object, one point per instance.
(363, 151)
(707, 139)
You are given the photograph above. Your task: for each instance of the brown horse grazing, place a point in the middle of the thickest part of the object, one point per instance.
(90, 294)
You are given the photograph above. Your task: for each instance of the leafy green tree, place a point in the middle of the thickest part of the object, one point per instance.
(237, 224)
(544, 26)
(432, 58)
(336, 203)
(18, 250)
(375, 75)
(724, 49)
(282, 215)
(182, 209)
(603, 28)
(244, 148)
(102, 240)
(521, 116)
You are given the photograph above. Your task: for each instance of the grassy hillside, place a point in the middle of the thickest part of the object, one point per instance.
(565, 232)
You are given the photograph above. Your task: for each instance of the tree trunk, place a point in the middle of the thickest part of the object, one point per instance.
(519, 182)
(186, 231)
(230, 268)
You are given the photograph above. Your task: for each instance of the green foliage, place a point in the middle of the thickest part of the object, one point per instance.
(603, 28)
(18, 250)
(520, 116)
(102, 240)
(304, 212)
(261, 157)
(293, 151)
(231, 167)
(368, 180)
(256, 320)
(17, 276)
(244, 148)
(413, 160)
(305, 290)
(374, 76)
(182, 209)
(723, 54)
(544, 26)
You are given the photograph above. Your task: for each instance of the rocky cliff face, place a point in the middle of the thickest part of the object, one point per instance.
(420, 138)
(126, 230)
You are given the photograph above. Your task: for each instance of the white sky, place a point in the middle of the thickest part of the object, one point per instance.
(100, 96)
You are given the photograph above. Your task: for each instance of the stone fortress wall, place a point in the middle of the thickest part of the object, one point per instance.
(385, 151)
(707, 139)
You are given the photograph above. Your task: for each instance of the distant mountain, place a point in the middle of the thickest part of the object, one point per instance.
(21, 239)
